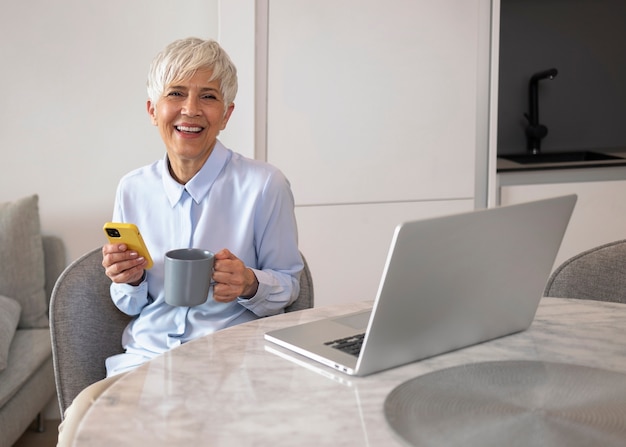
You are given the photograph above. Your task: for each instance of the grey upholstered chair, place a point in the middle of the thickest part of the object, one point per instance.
(86, 327)
(595, 274)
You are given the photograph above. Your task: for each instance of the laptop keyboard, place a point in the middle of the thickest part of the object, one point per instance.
(350, 345)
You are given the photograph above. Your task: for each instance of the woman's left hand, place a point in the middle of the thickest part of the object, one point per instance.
(232, 278)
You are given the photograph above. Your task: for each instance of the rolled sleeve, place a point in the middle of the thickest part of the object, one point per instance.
(130, 299)
(276, 291)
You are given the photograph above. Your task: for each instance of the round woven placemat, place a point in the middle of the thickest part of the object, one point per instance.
(511, 403)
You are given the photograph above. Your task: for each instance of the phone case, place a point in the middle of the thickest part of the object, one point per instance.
(127, 233)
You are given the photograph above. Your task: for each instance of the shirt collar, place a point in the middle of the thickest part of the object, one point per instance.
(199, 186)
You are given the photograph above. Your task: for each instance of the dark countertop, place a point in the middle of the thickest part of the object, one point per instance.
(505, 165)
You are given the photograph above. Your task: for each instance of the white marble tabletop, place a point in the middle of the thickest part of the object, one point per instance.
(233, 388)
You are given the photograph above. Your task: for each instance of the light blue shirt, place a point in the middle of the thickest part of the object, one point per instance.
(233, 202)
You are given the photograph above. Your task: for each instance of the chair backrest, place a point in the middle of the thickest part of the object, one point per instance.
(86, 327)
(306, 296)
(595, 274)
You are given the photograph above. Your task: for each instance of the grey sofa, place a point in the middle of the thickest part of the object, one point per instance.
(27, 383)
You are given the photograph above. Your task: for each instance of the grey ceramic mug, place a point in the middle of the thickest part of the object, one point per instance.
(188, 274)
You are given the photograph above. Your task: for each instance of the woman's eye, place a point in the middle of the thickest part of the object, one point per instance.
(174, 93)
(209, 97)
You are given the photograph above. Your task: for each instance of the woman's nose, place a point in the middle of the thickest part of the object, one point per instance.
(190, 106)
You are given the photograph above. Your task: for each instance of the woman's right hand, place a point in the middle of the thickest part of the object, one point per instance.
(123, 266)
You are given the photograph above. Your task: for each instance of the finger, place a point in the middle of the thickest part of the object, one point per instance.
(127, 276)
(113, 248)
(126, 264)
(224, 253)
(223, 269)
(129, 258)
(223, 293)
(228, 263)
(131, 276)
(232, 273)
(124, 267)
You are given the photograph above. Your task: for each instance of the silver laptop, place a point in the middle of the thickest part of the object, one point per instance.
(448, 283)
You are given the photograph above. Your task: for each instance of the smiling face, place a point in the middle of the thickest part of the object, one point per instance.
(190, 115)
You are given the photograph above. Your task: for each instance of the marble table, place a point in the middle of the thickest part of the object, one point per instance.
(233, 388)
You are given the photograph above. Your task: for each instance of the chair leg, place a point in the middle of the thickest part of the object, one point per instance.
(41, 426)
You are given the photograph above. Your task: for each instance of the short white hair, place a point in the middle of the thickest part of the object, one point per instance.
(182, 58)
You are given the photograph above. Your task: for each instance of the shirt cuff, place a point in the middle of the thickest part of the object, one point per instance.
(267, 285)
(130, 289)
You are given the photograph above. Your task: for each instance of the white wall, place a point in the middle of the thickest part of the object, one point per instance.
(72, 111)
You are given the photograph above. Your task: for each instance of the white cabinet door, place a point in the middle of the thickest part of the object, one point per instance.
(371, 101)
(599, 215)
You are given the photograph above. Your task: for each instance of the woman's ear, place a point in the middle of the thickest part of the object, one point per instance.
(151, 111)
(227, 113)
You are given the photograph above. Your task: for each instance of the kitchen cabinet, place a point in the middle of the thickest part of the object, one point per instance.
(600, 212)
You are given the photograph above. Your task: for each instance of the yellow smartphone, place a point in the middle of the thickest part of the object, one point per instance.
(127, 233)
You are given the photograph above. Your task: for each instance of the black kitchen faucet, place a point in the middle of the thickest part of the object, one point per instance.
(535, 131)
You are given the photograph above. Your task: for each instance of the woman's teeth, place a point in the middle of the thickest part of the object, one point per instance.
(188, 129)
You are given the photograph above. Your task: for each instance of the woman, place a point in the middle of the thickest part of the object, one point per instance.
(200, 194)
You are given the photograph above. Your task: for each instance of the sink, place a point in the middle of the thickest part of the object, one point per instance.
(560, 157)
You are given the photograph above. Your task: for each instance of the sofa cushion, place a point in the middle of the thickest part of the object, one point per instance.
(30, 349)
(22, 275)
(9, 317)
